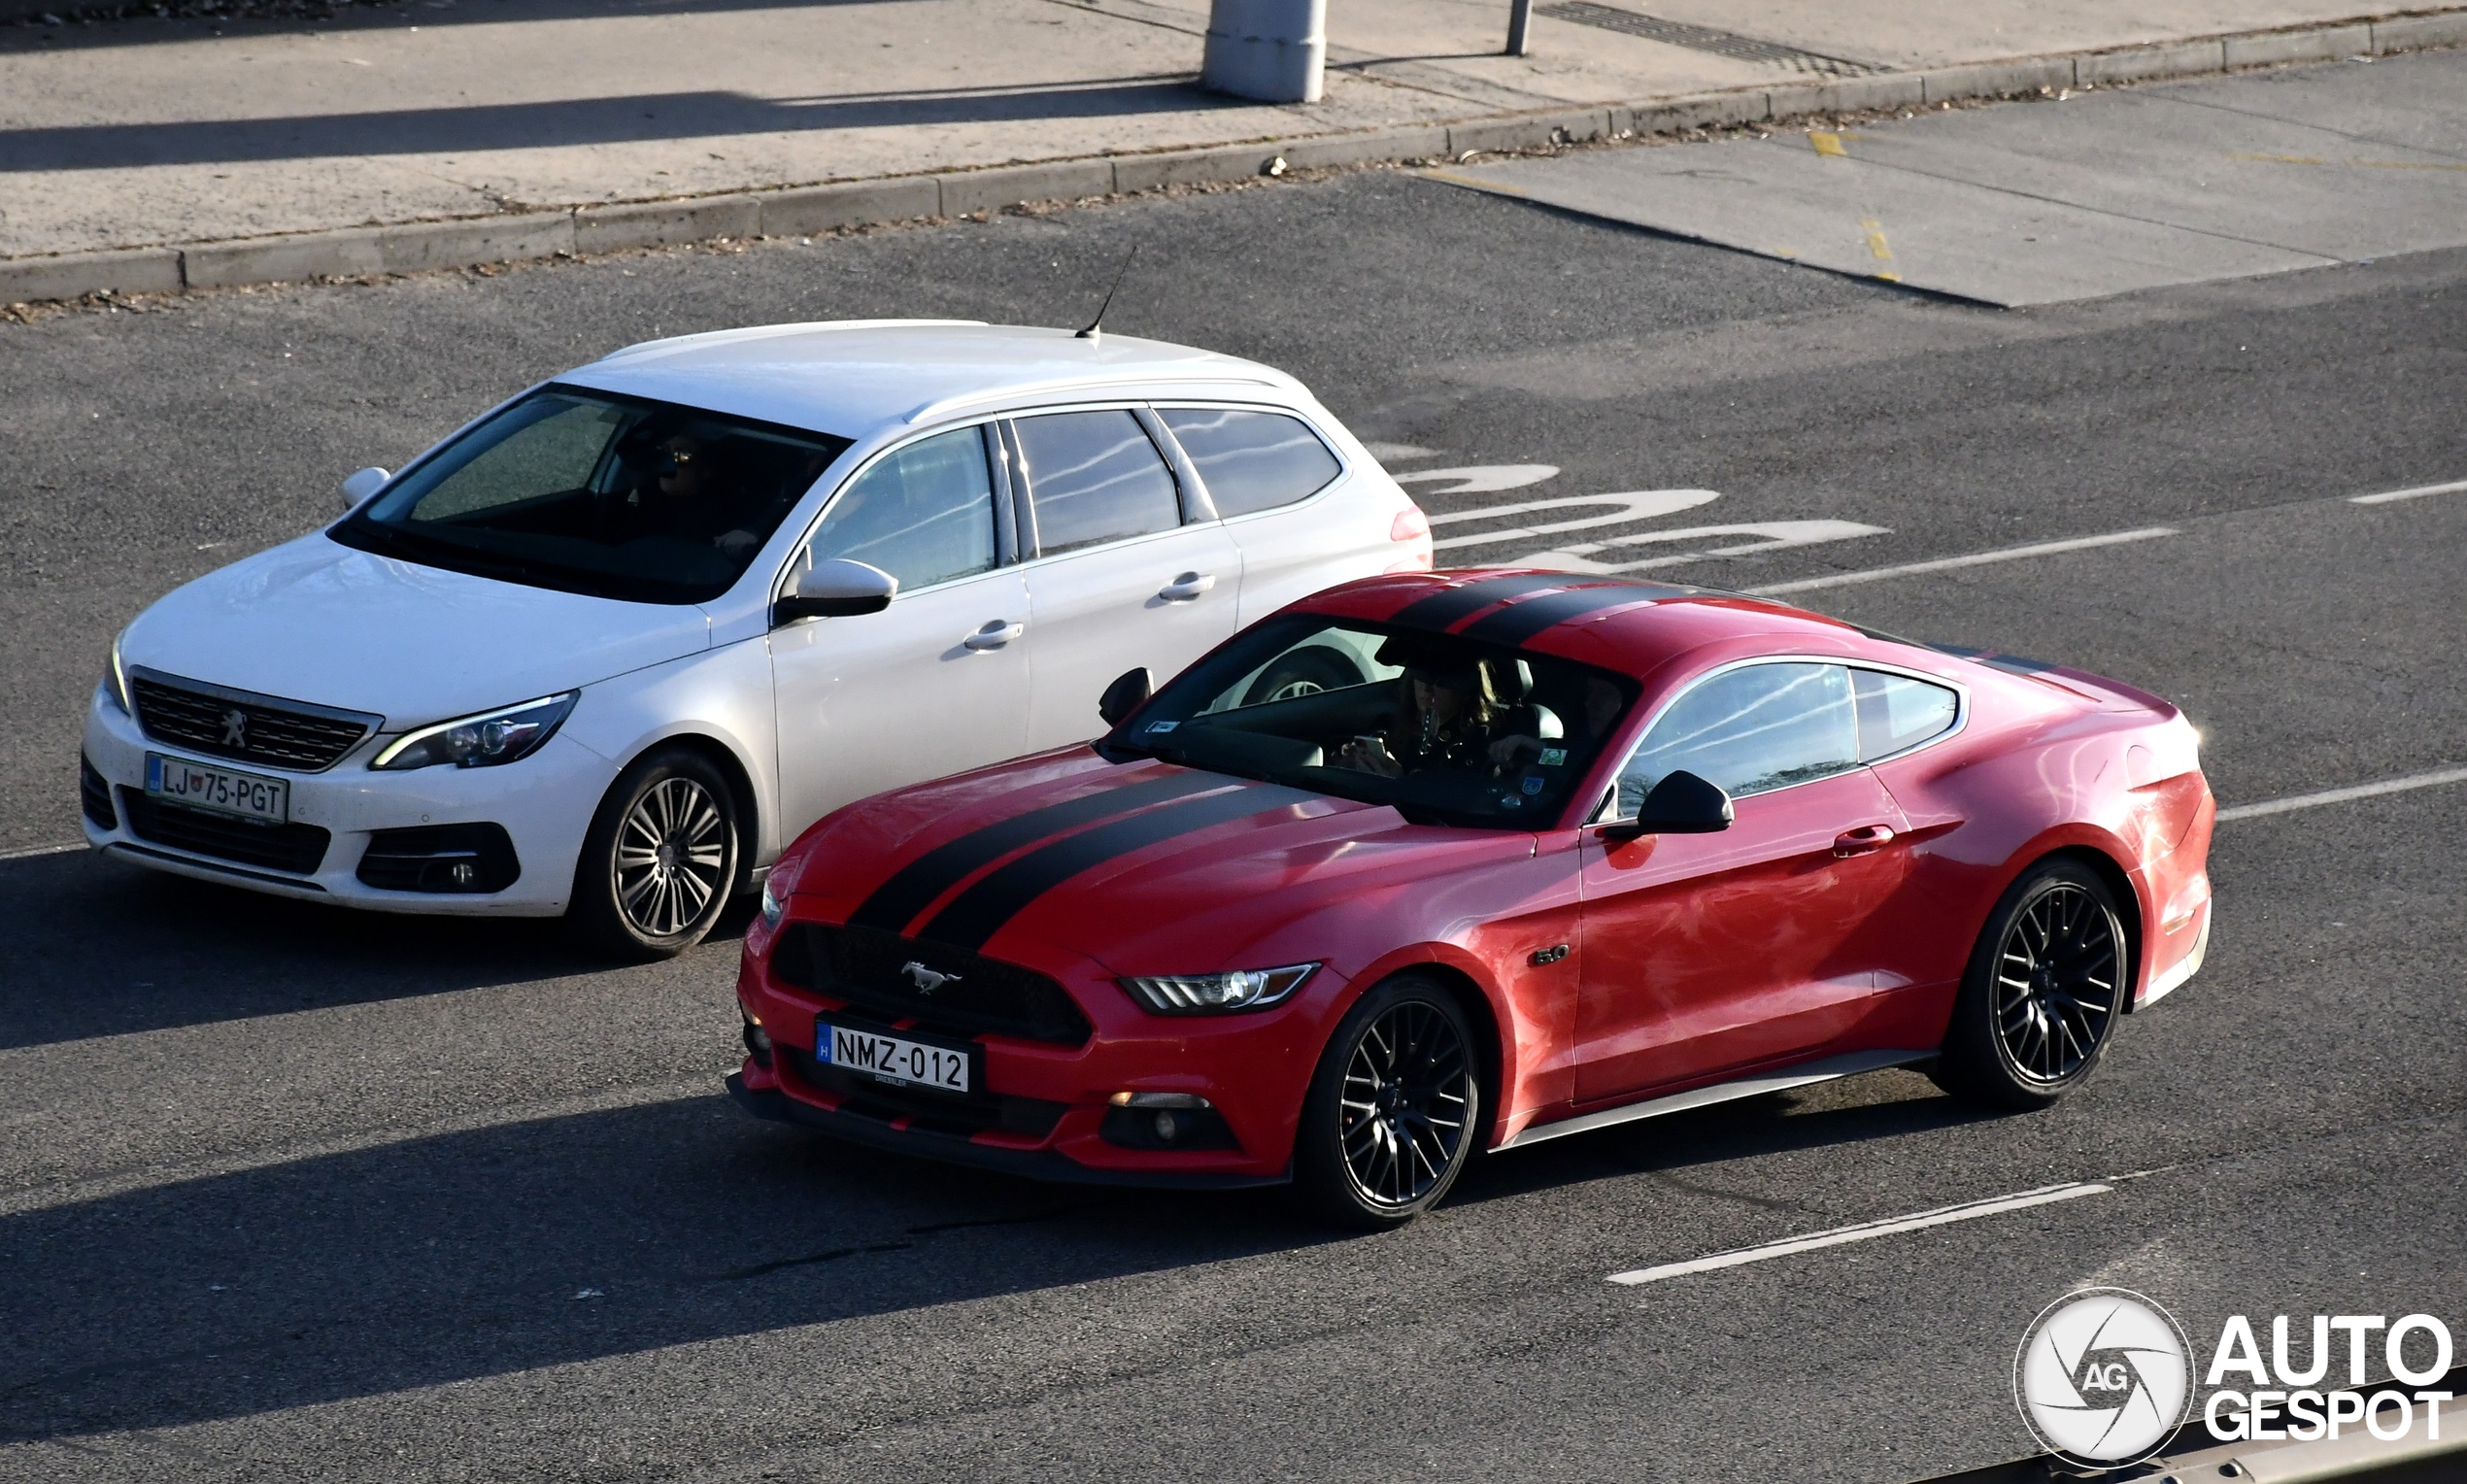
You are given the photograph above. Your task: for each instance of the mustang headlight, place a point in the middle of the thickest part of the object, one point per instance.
(771, 908)
(1248, 989)
(480, 741)
(777, 883)
(116, 681)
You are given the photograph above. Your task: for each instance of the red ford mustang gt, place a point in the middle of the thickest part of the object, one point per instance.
(1432, 864)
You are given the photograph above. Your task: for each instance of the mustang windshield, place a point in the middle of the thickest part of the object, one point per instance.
(1440, 727)
(588, 492)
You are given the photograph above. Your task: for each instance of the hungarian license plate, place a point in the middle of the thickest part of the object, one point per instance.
(267, 800)
(942, 1067)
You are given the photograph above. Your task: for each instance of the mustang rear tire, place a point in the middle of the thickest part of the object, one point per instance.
(661, 858)
(1394, 1110)
(2045, 988)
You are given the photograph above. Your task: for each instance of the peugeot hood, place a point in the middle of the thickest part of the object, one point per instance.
(314, 621)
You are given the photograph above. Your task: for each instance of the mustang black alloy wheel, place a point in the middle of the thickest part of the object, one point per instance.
(1394, 1110)
(660, 857)
(2046, 985)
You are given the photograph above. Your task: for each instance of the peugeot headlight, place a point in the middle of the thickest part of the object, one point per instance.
(116, 681)
(480, 741)
(1249, 989)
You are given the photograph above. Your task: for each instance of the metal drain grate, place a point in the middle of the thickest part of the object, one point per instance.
(1744, 48)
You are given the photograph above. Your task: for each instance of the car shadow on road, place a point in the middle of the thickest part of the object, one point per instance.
(1877, 1106)
(534, 1244)
(104, 948)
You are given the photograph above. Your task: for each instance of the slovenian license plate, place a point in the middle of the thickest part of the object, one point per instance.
(267, 800)
(895, 1059)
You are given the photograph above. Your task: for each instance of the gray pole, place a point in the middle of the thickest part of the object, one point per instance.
(1273, 51)
(1520, 19)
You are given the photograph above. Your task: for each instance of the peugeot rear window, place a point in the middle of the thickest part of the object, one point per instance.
(588, 492)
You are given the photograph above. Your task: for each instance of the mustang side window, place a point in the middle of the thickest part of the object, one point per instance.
(1251, 460)
(1751, 730)
(1094, 477)
(1896, 712)
(924, 514)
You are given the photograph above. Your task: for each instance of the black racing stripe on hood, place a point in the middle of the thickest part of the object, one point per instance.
(1440, 609)
(979, 912)
(911, 888)
(1520, 621)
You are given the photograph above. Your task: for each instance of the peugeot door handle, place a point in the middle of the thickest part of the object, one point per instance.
(1188, 585)
(995, 634)
(1866, 840)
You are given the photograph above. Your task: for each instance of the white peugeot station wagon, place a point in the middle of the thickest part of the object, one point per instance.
(607, 648)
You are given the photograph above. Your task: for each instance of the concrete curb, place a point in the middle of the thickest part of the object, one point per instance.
(801, 211)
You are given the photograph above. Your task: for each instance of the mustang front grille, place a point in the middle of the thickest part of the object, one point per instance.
(224, 722)
(970, 996)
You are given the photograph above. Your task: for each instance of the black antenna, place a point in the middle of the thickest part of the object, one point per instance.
(1096, 327)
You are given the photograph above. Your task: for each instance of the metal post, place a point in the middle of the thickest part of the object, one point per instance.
(1520, 20)
(1273, 51)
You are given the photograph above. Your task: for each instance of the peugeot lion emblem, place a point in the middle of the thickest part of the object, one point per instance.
(235, 727)
(926, 979)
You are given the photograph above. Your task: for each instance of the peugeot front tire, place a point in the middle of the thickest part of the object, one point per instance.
(661, 860)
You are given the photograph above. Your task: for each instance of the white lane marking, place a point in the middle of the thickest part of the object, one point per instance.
(1632, 505)
(1772, 535)
(1396, 452)
(2416, 493)
(2342, 795)
(29, 851)
(1967, 1211)
(1973, 559)
(1480, 479)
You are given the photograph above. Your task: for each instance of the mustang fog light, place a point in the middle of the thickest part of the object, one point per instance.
(485, 741)
(1164, 1121)
(758, 1042)
(1250, 988)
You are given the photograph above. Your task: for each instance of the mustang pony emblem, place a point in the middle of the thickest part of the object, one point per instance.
(235, 727)
(926, 979)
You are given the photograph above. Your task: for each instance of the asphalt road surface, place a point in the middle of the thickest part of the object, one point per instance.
(290, 1193)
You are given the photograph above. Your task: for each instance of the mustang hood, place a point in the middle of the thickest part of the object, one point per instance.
(1145, 867)
(314, 621)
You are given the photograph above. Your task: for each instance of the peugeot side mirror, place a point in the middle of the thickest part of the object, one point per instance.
(1129, 692)
(1682, 803)
(360, 487)
(837, 588)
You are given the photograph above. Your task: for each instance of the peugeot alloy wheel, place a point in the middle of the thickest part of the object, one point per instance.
(661, 861)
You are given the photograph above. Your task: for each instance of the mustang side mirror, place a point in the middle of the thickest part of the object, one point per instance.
(1127, 694)
(1682, 803)
(836, 588)
(361, 486)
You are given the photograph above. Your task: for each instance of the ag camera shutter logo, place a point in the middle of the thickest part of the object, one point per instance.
(2103, 1377)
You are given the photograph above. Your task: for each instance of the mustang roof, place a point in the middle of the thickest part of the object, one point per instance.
(1630, 624)
(850, 376)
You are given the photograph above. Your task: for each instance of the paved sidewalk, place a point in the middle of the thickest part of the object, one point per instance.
(525, 120)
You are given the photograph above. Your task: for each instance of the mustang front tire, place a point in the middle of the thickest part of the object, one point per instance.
(661, 858)
(2045, 988)
(1394, 1109)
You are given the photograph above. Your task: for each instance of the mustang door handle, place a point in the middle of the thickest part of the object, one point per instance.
(995, 634)
(1188, 585)
(1864, 840)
